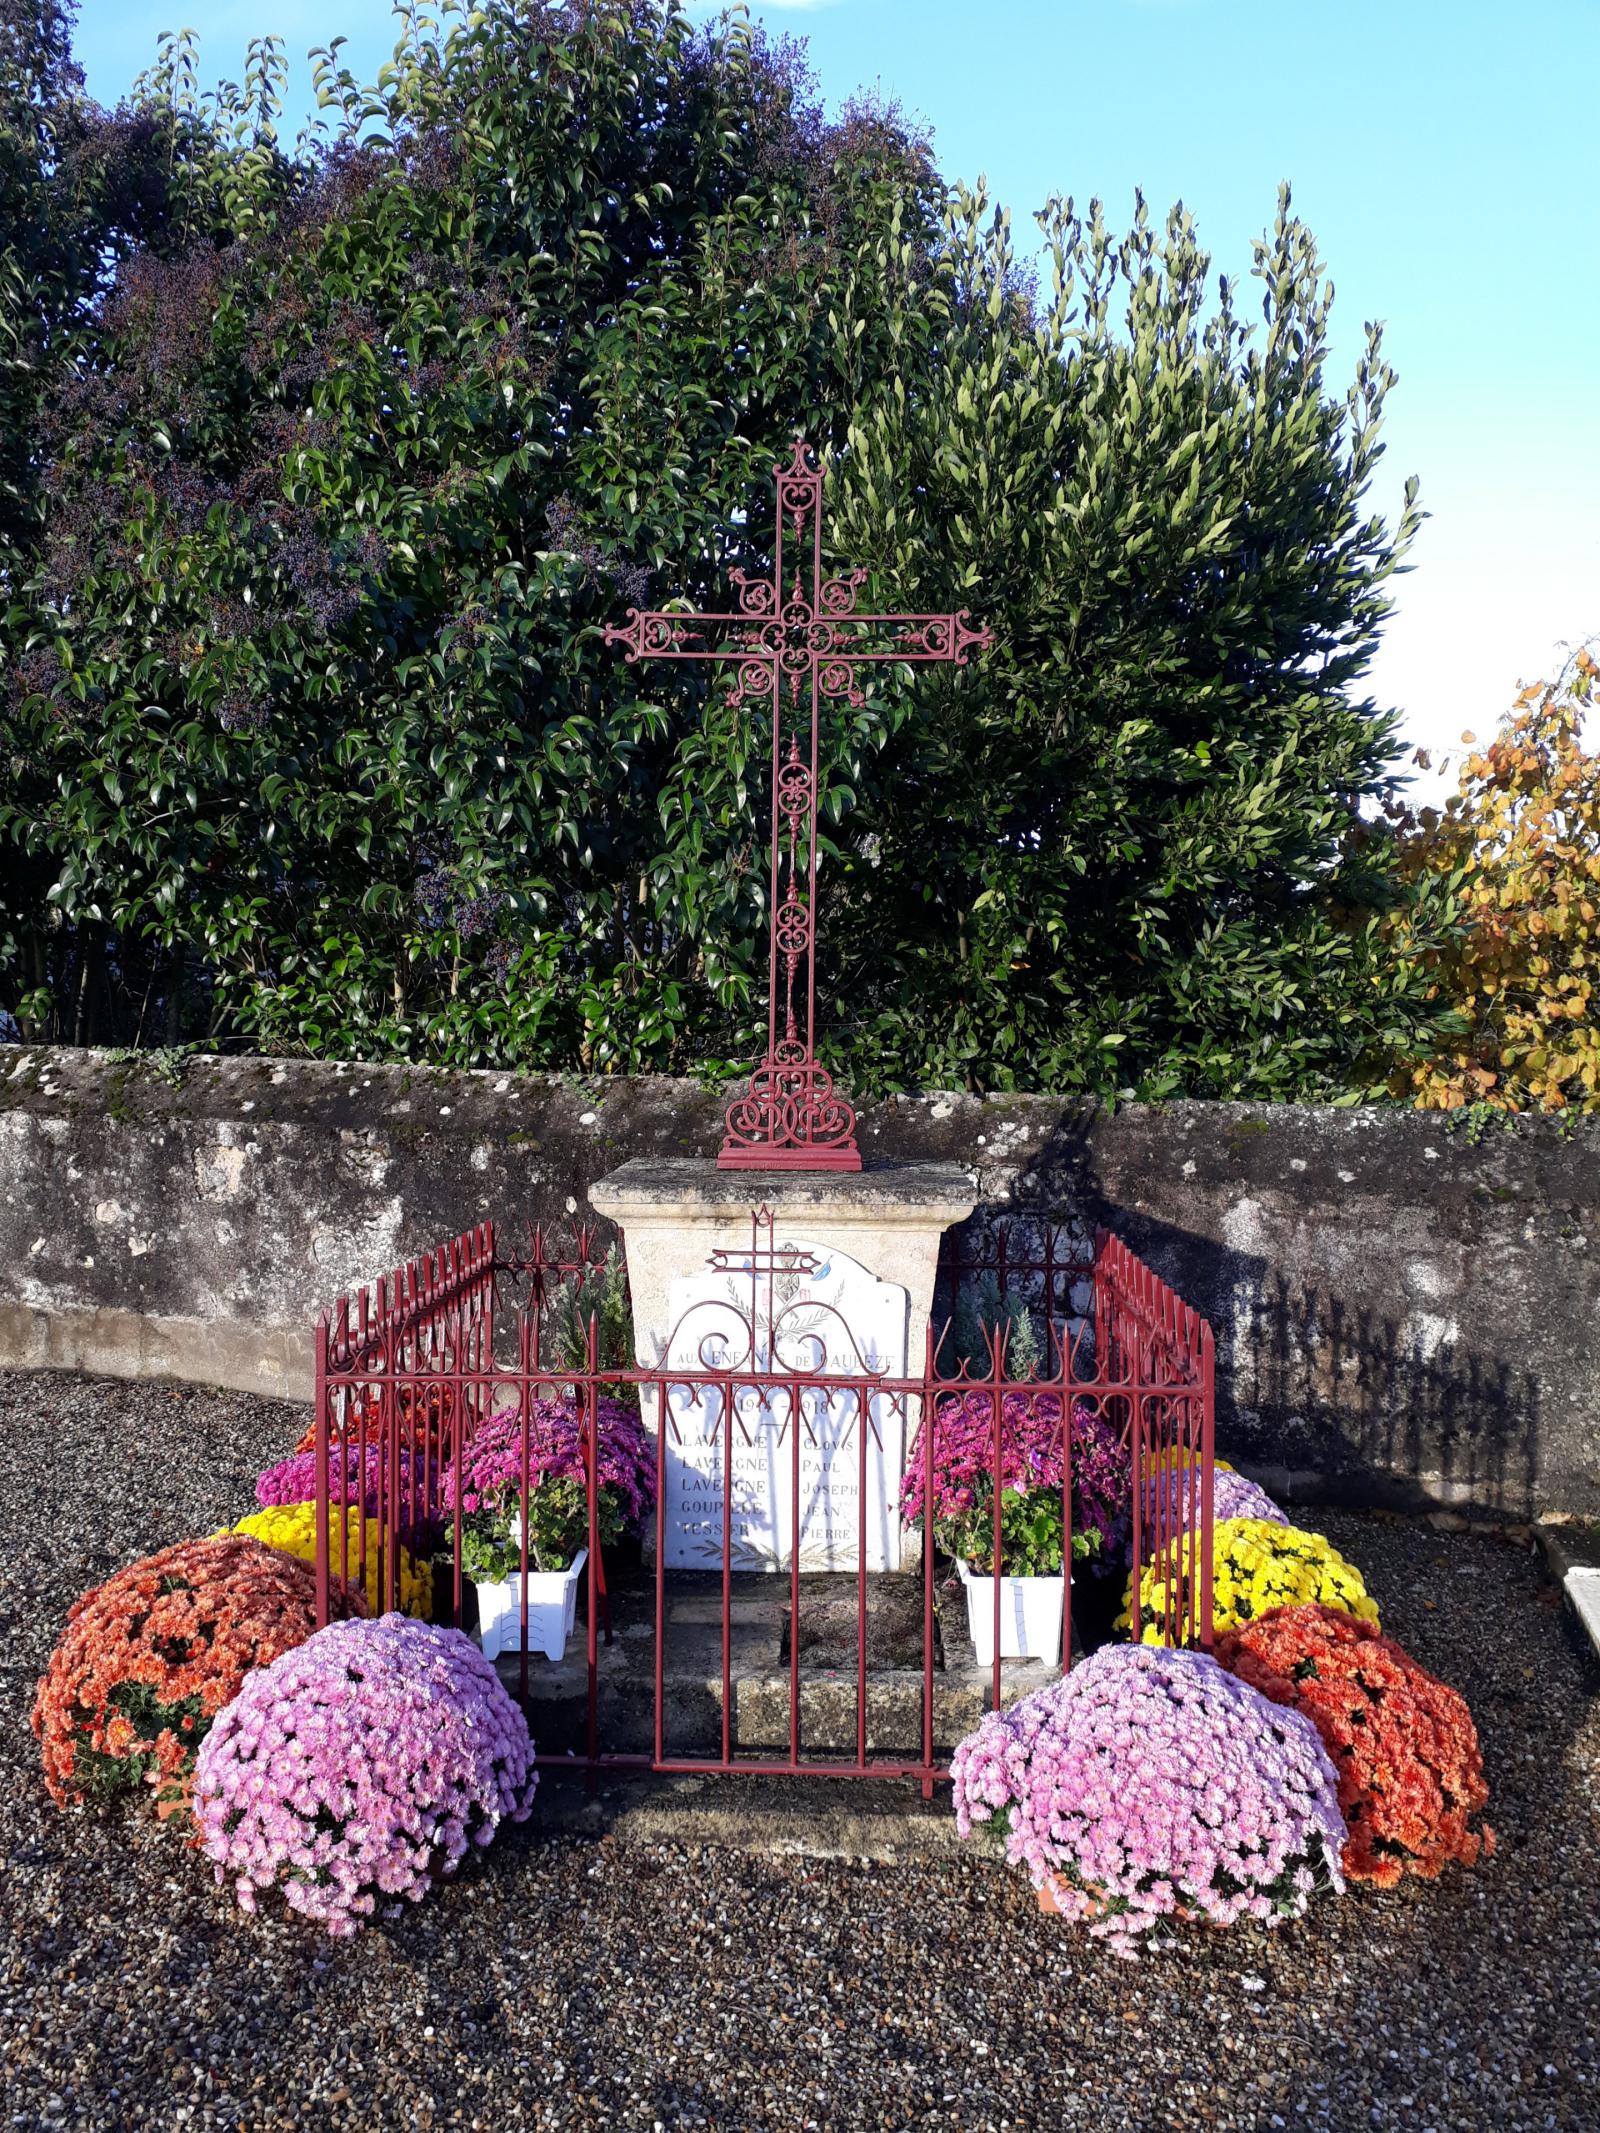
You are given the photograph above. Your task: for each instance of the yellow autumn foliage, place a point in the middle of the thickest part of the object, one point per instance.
(1522, 839)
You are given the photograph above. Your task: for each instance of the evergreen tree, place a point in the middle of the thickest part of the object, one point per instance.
(326, 466)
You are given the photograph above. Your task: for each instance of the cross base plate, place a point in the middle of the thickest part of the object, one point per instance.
(739, 1155)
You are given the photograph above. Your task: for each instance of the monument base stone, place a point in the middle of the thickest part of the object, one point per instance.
(839, 1281)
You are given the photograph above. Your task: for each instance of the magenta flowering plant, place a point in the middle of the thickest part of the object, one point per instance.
(294, 1480)
(488, 1477)
(1030, 1475)
(361, 1478)
(1142, 1786)
(1102, 1480)
(356, 1770)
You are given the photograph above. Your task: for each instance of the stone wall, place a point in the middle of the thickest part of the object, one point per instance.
(1402, 1312)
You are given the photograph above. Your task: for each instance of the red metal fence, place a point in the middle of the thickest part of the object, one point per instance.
(409, 1370)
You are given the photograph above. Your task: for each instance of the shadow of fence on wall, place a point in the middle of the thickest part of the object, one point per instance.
(1330, 1398)
(1359, 1399)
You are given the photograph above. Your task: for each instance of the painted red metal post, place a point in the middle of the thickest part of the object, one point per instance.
(591, 1485)
(795, 1423)
(663, 1410)
(727, 1573)
(323, 1595)
(528, 1359)
(863, 1424)
(1067, 1395)
(997, 1340)
(1208, 1457)
(798, 629)
(389, 1488)
(926, 1424)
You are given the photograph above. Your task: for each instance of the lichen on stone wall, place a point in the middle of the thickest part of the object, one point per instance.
(1397, 1308)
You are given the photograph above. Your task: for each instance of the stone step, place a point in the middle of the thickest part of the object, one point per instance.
(760, 1676)
(625, 1708)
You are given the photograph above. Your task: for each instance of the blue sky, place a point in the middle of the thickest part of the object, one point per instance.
(1441, 150)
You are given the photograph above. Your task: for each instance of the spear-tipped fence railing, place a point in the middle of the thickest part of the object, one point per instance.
(408, 1370)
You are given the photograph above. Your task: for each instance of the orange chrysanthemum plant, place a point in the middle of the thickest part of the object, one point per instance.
(149, 1658)
(1403, 1743)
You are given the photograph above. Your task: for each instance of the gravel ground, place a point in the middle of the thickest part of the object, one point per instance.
(573, 1983)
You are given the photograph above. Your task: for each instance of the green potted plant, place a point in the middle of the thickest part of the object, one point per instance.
(550, 1518)
(1027, 1453)
(1032, 1584)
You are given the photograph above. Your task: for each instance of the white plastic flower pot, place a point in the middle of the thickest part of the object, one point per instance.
(1030, 1617)
(552, 1607)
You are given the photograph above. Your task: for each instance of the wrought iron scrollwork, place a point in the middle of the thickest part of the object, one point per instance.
(799, 626)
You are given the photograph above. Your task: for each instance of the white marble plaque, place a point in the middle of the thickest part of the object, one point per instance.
(794, 1309)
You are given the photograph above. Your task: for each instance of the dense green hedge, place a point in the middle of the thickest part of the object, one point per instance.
(326, 469)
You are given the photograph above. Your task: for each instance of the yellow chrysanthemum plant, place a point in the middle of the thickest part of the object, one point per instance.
(1255, 1566)
(293, 1528)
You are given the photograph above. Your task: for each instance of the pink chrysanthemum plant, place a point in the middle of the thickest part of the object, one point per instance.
(1143, 1787)
(488, 1477)
(359, 1769)
(1030, 1465)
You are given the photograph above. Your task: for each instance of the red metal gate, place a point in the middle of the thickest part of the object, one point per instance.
(408, 1372)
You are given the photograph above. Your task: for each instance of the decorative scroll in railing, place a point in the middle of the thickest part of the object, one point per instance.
(408, 1371)
(1021, 1259)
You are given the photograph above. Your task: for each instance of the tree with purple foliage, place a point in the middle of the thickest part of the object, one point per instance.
(83, 193)
(317, 744)
(313, 740)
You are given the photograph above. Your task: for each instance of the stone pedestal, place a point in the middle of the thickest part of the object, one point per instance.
(674, 1211)
(867, 1246)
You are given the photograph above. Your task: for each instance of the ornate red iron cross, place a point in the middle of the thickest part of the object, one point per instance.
(788, 632)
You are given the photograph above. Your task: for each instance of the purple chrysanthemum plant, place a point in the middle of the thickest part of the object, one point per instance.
(1030, 1468)
(1144, 1787)
(1233, 1495)
(488, 1475)
(366, 1473)
(358, 1769)
(363, 1477)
